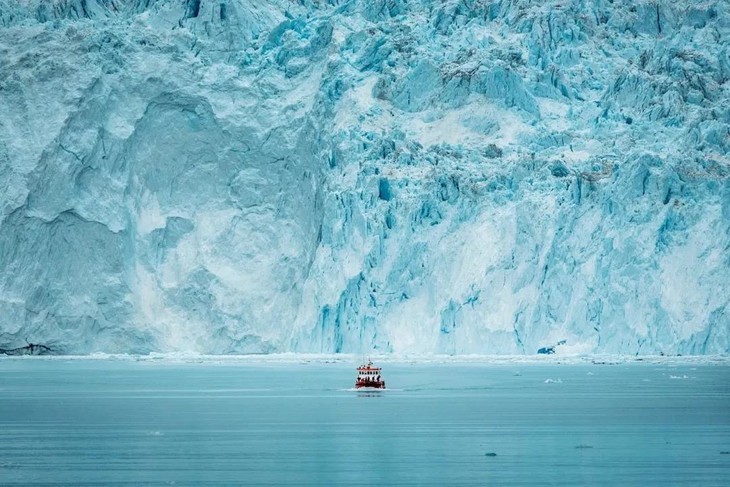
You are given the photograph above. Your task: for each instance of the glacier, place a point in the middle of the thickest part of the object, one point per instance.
(397, 176)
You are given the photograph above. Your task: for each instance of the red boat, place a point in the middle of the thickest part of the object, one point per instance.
(369, 376)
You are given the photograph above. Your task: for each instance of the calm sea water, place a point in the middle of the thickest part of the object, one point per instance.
(95, 422)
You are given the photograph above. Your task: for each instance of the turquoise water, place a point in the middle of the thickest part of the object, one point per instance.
(96, 422)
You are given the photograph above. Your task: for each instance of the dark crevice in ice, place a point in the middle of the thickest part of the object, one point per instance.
(193, 9)
(30, 349)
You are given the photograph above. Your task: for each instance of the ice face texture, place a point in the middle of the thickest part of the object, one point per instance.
(406, 176)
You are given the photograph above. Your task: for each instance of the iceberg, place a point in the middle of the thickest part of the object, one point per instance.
(398, 176)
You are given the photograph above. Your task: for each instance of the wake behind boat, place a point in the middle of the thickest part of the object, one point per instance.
(369, 377)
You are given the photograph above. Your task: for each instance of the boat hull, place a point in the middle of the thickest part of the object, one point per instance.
(370, 385)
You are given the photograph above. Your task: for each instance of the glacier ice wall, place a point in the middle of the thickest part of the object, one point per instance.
(407, 176)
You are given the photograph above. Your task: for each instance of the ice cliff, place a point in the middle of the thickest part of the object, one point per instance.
(406, 176)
